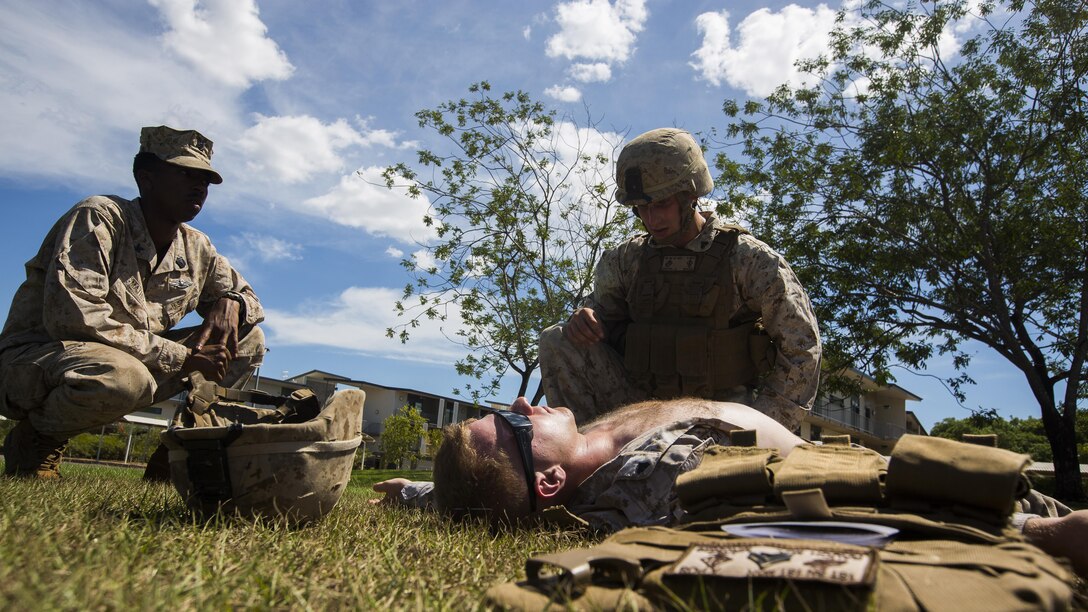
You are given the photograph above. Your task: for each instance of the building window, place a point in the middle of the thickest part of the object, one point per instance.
(815, 432)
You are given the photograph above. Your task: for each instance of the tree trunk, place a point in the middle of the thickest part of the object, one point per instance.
(524, 385)
(1060, 429)
(539, 393)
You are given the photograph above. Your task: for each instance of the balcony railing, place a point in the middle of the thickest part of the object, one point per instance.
(847, 417)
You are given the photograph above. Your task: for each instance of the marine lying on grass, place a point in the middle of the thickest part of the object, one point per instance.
(534, 462)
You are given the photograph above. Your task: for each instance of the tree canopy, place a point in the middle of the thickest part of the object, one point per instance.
(522, 206)
(929, 188)
(400, 437)
(1015, 434)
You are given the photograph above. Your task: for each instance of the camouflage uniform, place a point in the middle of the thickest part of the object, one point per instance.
(592, 380)
(88, 336)
(638, 486)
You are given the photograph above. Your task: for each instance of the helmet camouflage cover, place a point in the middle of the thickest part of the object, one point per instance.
(660, 163)
(247, 460)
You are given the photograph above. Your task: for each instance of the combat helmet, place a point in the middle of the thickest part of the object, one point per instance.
(292, 461)
(658, 164)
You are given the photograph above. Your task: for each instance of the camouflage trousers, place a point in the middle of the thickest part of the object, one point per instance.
(592, 380)
(65, 388)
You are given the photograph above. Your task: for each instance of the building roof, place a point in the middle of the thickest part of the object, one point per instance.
(144, 419)
(889, 388)
(322, 375)
(1046, 467)
(914, 417)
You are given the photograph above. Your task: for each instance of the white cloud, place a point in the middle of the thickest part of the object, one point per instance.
(589, 152)
(771, 43)
(563, 94)
(394, 252)
(590, 73)
(370, 137)
(267, 248)
(597, 29)
(527, 32)
(224, 39)
(246, 248)
(356, 320)
(573, 142)
(424, 259)
(768, 45)
(362, 200)
(293, 149)
(956, 32)
(385, 138)
(82, 81)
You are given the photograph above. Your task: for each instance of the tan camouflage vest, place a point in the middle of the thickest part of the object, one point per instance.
(830, 527)
(682, 340)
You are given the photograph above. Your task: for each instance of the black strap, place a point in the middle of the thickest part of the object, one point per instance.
(209, 468)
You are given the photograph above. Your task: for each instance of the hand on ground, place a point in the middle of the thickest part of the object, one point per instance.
(391, 488)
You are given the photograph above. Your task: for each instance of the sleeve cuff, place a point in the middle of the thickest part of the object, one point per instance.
(172, 357)
(243, 306)
(1019, 519)
(417, 495)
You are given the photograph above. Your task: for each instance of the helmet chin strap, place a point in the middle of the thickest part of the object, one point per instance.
(687, 218)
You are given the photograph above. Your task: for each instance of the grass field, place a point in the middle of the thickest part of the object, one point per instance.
(102, 539)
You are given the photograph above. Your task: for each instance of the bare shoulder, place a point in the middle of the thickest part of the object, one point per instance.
(733, 416)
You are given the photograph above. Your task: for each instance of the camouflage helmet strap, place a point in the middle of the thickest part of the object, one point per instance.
(202, 393)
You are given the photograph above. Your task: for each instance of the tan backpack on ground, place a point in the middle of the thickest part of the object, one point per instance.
(830, 527)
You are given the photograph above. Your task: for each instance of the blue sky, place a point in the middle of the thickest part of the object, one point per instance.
(308, 101)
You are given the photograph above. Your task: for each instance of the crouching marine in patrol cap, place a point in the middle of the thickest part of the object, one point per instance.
(91, 337)
(693, 308)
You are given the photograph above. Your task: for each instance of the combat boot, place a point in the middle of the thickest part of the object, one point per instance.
(29, 454)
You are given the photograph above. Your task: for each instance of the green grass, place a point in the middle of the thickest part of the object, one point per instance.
(103, 539)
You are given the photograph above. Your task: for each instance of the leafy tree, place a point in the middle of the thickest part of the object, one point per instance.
(400, 435)
(928, 197)
(522, 206)
(1015, 434)
(434, 440)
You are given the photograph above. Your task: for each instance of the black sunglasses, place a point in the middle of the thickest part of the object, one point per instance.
(523, 435)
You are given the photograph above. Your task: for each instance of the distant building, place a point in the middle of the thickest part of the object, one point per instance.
(874, 418)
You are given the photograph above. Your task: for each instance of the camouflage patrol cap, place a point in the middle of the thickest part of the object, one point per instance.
(658, 164)
(188, 148)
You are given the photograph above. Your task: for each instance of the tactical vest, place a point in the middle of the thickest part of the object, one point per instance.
(830, 527)
(683, 339)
